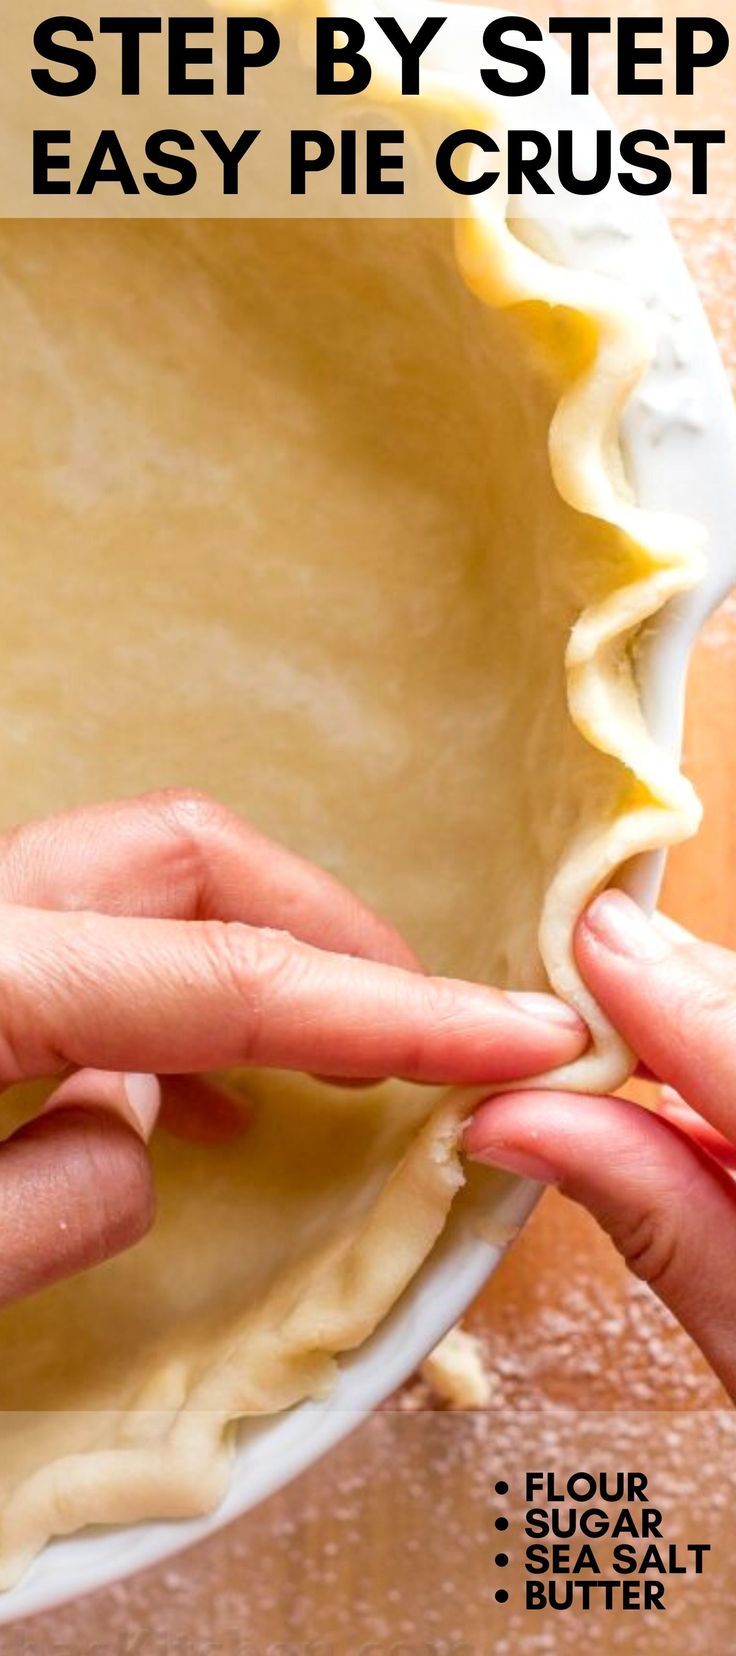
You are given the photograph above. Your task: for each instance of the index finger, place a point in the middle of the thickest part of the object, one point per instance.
(174, 997)
(179, 855)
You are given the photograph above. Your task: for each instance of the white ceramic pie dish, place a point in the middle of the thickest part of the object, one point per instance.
(679, 438)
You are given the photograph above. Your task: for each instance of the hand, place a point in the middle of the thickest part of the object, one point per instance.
(166, 935)
(656, 1182)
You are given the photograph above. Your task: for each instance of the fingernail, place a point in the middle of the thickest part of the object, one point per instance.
(523, 1163)
(133, 1098)
(144, 1099)
(617, 923)
(546, 1008)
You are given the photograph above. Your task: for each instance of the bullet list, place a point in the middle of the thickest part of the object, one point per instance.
(502, 1558)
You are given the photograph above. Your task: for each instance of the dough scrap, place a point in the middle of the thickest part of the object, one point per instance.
(457, 1370)
(349, 549)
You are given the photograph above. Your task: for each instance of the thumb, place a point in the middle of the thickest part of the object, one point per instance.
(668, 1207)
(671, 997)
(75, 1182)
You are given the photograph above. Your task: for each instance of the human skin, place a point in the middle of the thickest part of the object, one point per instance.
(149, 940)
(657, 1182)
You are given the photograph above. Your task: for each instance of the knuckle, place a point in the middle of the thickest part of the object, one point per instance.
(415, 1061)
(226, 955)
(184, 808)
(437, 1007)
(434, 1022)
(187, 821)
(650, 1243)
(248, 963)
(186, 812)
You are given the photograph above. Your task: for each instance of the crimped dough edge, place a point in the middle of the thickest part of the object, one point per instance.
(183, 1470)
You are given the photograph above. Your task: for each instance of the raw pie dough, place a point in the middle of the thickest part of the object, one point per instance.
(327, 519)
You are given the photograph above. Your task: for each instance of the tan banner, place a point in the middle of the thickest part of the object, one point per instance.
(199, 111)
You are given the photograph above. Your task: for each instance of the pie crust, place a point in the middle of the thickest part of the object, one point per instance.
(345, 541)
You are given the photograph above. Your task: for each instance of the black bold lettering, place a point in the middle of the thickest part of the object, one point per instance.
(500, 48)
(255, 57)
(185, 172)
(446, 155)
(55, 51)
(410, 51)
(329, 54)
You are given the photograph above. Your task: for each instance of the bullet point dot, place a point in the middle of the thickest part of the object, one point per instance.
(502, 1523)
(502, 1560)
(502, 1596)
(502, 1488)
